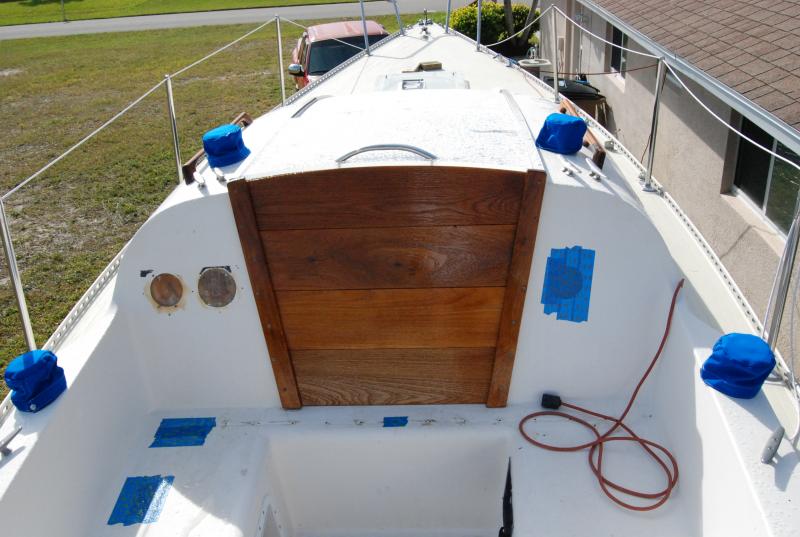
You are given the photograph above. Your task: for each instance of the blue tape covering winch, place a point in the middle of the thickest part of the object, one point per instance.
(141, 500)
(568, 283)
(35, 380)
(179, 432)
(738, 366)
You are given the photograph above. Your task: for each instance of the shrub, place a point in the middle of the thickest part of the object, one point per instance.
(465, 20)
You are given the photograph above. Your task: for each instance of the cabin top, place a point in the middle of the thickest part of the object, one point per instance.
(314, 132)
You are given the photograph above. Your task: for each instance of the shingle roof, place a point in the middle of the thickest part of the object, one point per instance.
(753, 47)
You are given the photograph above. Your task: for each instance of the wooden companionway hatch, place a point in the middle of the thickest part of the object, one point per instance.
(390, 285)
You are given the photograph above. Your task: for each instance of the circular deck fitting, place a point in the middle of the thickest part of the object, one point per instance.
(166, 290)
(216, 287)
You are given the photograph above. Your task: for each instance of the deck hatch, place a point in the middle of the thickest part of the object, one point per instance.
(390, 285)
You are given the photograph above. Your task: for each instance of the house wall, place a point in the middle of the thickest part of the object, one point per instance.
(695, 155)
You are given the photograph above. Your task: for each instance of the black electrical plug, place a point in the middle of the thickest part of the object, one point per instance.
(551, 401)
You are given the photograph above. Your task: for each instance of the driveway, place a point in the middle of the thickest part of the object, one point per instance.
(210, 18)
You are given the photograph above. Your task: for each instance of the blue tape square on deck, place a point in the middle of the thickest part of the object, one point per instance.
(395, 421)
(568, 283)
(141, 499)
(177, 432)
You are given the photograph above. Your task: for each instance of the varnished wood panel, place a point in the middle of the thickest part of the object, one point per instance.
(258, 270)
(524, 242)
(387, 197)
(410, 257)
(391, 318)
(393, 376)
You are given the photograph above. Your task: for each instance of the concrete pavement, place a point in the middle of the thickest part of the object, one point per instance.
(211, 18)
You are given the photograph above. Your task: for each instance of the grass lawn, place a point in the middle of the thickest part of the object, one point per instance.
(28, 11)
(71, 221)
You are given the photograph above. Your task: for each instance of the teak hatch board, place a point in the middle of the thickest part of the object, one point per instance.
(390, 285)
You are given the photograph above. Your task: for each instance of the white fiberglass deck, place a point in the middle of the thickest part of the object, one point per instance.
(335, 472)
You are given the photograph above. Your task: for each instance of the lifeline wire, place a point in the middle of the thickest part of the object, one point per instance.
(707, 109)
(290, 21)
(522, 29)
(792, 357)
(596, 446)
(792, 383)
(82, 141)
(601, 39)
(211, 55)
(122, 112)
(690, 92)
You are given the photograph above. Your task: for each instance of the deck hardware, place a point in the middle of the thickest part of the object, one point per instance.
(5, 451)
(280, 60)
(220, 175)
(648, 180)
(387, 147)
(447, 17)
(201, 183)
(772, 445)
(594, 171)
(478, 32)
(16, 279)
(397, 15)
(312, 101)
(364, 26)
(568, 167)
(174, 126)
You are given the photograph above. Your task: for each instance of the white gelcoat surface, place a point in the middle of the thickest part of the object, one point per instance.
(308, 473)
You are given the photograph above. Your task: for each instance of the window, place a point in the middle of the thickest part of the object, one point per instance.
(325, 55)
(771, 184)
(618, 56)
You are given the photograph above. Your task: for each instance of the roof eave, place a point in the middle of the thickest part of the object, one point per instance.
(776, 127)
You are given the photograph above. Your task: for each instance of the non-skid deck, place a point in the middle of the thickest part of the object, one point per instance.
(350, 471)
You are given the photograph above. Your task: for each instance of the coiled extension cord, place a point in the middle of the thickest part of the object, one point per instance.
(657, 452)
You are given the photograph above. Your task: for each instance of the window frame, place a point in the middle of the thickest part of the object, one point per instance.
(621, 69)
(760, 209)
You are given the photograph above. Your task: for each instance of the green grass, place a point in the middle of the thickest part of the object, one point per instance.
(29, 11)
(70, 222)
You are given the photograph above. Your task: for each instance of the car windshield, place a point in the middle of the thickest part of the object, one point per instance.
(325, 55)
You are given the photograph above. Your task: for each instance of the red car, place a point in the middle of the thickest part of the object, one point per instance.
(324, 46)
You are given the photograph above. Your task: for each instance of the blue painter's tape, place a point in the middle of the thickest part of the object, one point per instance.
(175, 432)
(395, 421)
(568, 283)
(141, 499)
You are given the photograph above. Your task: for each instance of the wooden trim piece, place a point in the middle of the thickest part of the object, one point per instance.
(394, 376)
(387, 196)
(267, 304)
(514, 300)
(389, 258)
(589, 139)
(243, 120)
(391, 318)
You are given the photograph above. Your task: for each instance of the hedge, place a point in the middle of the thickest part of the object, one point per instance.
(465, 20)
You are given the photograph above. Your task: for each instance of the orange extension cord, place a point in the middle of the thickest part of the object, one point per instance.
(596, 446)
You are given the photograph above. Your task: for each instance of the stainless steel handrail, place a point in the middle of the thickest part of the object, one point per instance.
(387, 147)
(5, 232)
(16, 279)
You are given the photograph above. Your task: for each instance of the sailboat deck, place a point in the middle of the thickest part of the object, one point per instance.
(219, 487)
(402, 470)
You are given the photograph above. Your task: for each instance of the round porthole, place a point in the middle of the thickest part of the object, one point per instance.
(216, 287)
(166, 290)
